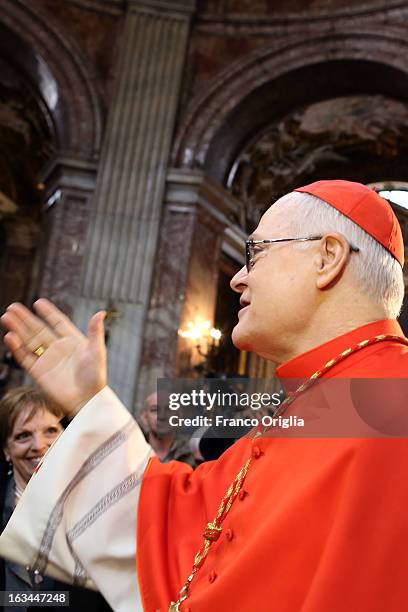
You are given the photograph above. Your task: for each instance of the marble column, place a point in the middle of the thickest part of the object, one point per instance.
(196, 228)
(131, 180)
(69, 185)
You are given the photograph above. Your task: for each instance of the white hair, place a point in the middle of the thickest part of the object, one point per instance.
(375, 271)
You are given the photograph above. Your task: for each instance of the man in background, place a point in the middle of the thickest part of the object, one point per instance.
(167, 442)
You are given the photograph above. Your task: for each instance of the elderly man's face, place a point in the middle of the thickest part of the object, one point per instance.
(155, 417)
(278, 294)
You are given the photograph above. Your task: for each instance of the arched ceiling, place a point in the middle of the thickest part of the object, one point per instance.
(26, 139)
(294, 90)
(359, 137)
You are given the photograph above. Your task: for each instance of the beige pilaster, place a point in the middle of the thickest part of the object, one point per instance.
(130, 185)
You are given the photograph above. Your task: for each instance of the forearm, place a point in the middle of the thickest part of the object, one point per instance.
(77, 517)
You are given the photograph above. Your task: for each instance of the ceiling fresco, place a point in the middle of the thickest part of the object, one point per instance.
(323, 140)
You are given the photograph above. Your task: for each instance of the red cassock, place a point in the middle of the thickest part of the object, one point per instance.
(320, 525)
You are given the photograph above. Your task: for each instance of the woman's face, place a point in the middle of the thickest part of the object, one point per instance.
(30, 440)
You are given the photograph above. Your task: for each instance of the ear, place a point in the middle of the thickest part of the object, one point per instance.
(7, 456)
(333, 254)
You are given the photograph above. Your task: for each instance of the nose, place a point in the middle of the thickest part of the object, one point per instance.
(39, 443)
(239, 281)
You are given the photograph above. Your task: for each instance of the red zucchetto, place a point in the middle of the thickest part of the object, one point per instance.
(366, 208)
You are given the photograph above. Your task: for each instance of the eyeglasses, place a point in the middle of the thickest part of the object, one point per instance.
(253, 248)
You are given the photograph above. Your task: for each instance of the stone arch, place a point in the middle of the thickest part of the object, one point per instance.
(35, 45)
(245, 94)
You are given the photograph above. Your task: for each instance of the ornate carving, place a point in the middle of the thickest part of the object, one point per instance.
(38, 46)
(27, 142)
(292, 149)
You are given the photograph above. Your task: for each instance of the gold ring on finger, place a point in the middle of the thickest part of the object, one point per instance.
(40, 350)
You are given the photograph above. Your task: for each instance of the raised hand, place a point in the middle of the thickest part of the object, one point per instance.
(68, 366)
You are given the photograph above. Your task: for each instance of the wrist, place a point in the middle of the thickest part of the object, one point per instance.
(72, 413)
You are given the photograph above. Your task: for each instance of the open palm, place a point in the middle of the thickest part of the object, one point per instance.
(72, 368)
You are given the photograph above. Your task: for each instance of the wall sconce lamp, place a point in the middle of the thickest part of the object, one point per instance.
(199, 331)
